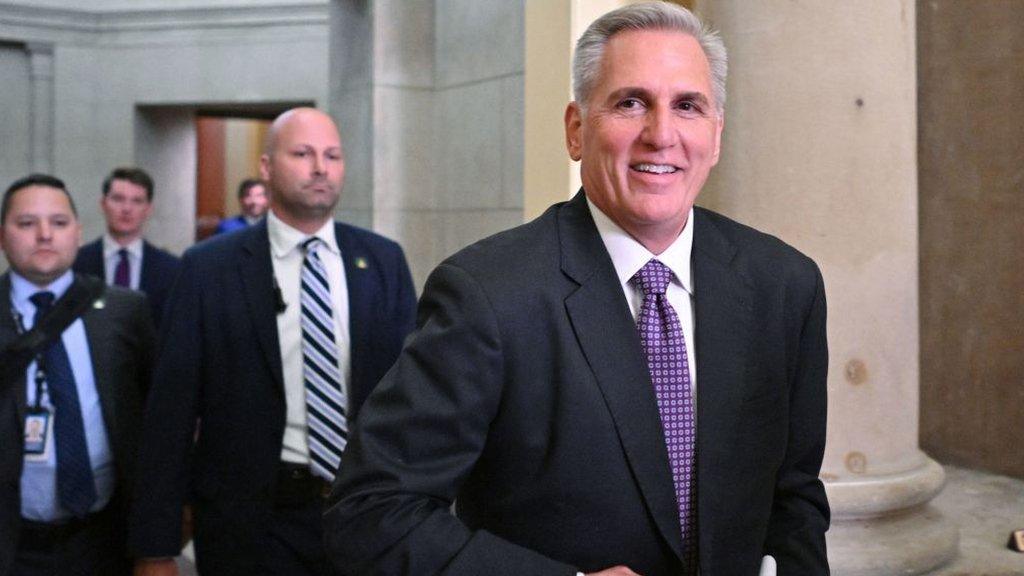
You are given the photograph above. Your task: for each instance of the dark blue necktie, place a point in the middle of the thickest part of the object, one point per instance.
(76, 489)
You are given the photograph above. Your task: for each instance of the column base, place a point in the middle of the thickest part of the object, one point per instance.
(911, 542)
(883, 526)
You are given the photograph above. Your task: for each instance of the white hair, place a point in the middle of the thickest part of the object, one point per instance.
(586, 63)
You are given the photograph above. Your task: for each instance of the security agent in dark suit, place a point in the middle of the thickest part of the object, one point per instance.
(275, 336)
(252, 199)
(626, 385)
(76, 359)
(122, 257)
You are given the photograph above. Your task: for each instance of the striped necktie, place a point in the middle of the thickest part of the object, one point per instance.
(325, 395)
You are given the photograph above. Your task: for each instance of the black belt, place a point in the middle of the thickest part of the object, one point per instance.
(296, 484)
(42, 536)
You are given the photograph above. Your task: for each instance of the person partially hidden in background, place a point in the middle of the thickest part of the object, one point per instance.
(252, 200)
(121, 256)
(626, 385)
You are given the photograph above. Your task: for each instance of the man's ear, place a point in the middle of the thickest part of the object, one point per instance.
(718, 137)
(573, 130)
(264, 170)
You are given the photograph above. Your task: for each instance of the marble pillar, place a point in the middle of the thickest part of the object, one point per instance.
(429, 96)
(41, 123)
(820, 149)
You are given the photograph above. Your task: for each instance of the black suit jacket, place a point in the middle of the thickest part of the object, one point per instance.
(524, 397)
(121, 342)
(159, 268)
(220, 363)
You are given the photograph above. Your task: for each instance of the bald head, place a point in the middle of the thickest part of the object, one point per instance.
(303, 166)
(290, 118)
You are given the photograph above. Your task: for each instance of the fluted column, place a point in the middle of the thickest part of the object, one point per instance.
(41, 106)
(820, 149)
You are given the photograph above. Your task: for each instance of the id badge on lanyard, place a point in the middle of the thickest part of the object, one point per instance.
(38, 419)
(38, 434)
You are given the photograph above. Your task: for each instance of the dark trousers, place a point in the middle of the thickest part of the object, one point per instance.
(296, 539)
(93, 546)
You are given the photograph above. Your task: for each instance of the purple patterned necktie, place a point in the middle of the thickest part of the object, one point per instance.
(661, 336)
(122, 273)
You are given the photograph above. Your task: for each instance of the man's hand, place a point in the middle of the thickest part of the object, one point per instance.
(157, 567)
(613, 571)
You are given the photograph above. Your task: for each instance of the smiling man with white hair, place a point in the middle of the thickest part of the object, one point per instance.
(626, 385)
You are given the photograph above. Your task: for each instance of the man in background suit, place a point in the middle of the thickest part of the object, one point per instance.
(70, 404)
(252, 199)
(121, 257)
(626, 385)
(275, 335)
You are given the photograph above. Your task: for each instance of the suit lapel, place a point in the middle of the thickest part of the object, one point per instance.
(147, 273)
(8, 332)
(359, 279)
(723, 312)
(90, 259)
(100, 335)
(256, 276)
(607, 334)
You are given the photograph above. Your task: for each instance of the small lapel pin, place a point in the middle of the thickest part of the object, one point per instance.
(99, 304)
(361, 263)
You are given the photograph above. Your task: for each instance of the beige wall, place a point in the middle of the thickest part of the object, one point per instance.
(971, 157)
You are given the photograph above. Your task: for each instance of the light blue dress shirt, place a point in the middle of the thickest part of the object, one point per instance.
(39, 478)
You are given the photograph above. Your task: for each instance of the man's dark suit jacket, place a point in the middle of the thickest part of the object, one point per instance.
(220, 363)
(122, 345)
(525, 397)
(159, 269)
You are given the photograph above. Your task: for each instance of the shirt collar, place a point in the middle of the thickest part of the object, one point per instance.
(284, 238)
(110, 246)
(629, 256)
(22, 289)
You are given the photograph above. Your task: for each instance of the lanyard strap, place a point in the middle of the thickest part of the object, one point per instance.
(40, 374)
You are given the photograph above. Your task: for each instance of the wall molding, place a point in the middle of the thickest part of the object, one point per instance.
(22, 21)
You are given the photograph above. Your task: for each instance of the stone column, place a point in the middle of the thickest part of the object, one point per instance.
(429, 95)
(552, 28)
(41, 123)
(820, 149)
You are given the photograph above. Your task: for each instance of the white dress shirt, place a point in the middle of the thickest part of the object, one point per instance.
(629, 256)
(287, 255)
(111, 257)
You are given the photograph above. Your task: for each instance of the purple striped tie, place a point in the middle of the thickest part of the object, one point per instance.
(661, 336)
